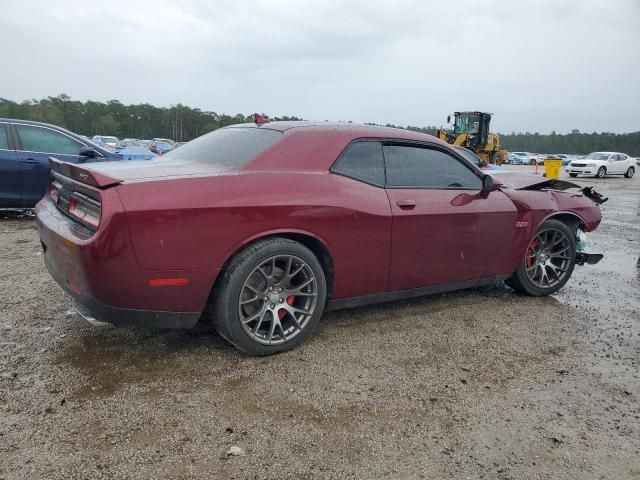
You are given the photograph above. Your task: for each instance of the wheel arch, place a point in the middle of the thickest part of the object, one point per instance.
(309, 240)
(570, 219)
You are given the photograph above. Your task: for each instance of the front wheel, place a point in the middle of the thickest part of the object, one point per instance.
(270, 297)
(548, 261)
(573, 175)
(602, 171)
(629, 173)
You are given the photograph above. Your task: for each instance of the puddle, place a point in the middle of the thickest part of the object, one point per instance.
(111, 359)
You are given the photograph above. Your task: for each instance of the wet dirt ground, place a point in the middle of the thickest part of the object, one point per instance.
(476, 384)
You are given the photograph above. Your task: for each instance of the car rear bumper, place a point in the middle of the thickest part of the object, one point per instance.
(96, 312)
(101, 273)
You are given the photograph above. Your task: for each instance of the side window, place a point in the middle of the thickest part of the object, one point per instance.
(414, 167)
(362, 161)
(4, 140)
(37, 139)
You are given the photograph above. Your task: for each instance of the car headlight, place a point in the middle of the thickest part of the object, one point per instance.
(591, 164)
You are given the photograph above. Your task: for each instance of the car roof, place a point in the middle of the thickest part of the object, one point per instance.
(33, 122)
(355, 130)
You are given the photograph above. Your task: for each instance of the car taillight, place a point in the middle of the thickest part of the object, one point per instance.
(54, 192)
(84, 209)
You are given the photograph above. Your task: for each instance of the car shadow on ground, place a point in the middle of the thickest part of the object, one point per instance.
(17, 214)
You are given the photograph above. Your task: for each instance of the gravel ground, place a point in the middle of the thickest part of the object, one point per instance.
(476, 384)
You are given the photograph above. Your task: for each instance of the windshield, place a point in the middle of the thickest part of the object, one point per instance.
(597, 156)
(226, 146)
(467, 123)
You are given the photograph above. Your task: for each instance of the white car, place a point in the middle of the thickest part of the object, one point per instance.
(599, 164)
(106, 140)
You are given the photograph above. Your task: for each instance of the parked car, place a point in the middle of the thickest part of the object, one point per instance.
(135, 153)
(600, 164)
(265, 226)
(129, 142)
(168, 141)
(25, 148)
(521, 158)
(160, 148)
(105, 140)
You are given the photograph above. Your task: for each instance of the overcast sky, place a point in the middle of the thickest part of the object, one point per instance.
(538, 65)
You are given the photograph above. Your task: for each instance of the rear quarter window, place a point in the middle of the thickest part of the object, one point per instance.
(226, 146)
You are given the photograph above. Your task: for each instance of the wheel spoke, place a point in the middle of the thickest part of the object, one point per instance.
(296, 272)
(297, 289)
(259, 324)
(272, 329)
(266, 277)
(251, 300)
(255, 316)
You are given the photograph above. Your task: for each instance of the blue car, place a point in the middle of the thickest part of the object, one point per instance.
(25, 148)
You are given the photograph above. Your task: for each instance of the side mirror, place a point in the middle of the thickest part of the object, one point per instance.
(88, 152)
(487, 183)
(448, 118)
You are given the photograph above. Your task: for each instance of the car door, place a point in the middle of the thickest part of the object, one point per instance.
(623, 163)
(614, 164)
(35, 144)
(445, 227)
(10, 182)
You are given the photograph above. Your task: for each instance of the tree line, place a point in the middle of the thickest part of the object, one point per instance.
(183, 123)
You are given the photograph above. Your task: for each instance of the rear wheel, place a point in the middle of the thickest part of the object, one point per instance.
(270, 297)
(602, 171)
(630, 171)
(573, 175)
(548, 261)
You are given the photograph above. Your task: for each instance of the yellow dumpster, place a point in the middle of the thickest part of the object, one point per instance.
(552, 167)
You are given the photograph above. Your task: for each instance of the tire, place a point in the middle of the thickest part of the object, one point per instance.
(529, 278)
(602, 171)
(629, 173)
(532, 162)
(261, 271)
(573, 175)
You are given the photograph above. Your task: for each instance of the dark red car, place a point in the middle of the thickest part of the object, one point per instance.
(269, 225)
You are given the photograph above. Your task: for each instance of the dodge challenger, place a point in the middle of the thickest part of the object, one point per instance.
(262, 227)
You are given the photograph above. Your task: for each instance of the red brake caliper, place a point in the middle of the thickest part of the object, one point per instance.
(530, 259)
(290, 300)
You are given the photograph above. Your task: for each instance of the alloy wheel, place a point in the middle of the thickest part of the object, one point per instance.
(548, 258)
(278, 299)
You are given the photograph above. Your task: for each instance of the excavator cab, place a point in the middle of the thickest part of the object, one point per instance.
(471, 130)
(474, 124)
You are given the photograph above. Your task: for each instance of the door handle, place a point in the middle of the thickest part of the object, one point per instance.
(406, 204)
(30, 161)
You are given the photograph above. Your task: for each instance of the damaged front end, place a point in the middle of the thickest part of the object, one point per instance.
(562, 185)
(565, 198)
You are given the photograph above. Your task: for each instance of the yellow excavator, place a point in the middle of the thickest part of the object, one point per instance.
(471, 130)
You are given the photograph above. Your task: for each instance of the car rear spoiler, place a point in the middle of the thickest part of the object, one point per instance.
(82, 174)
